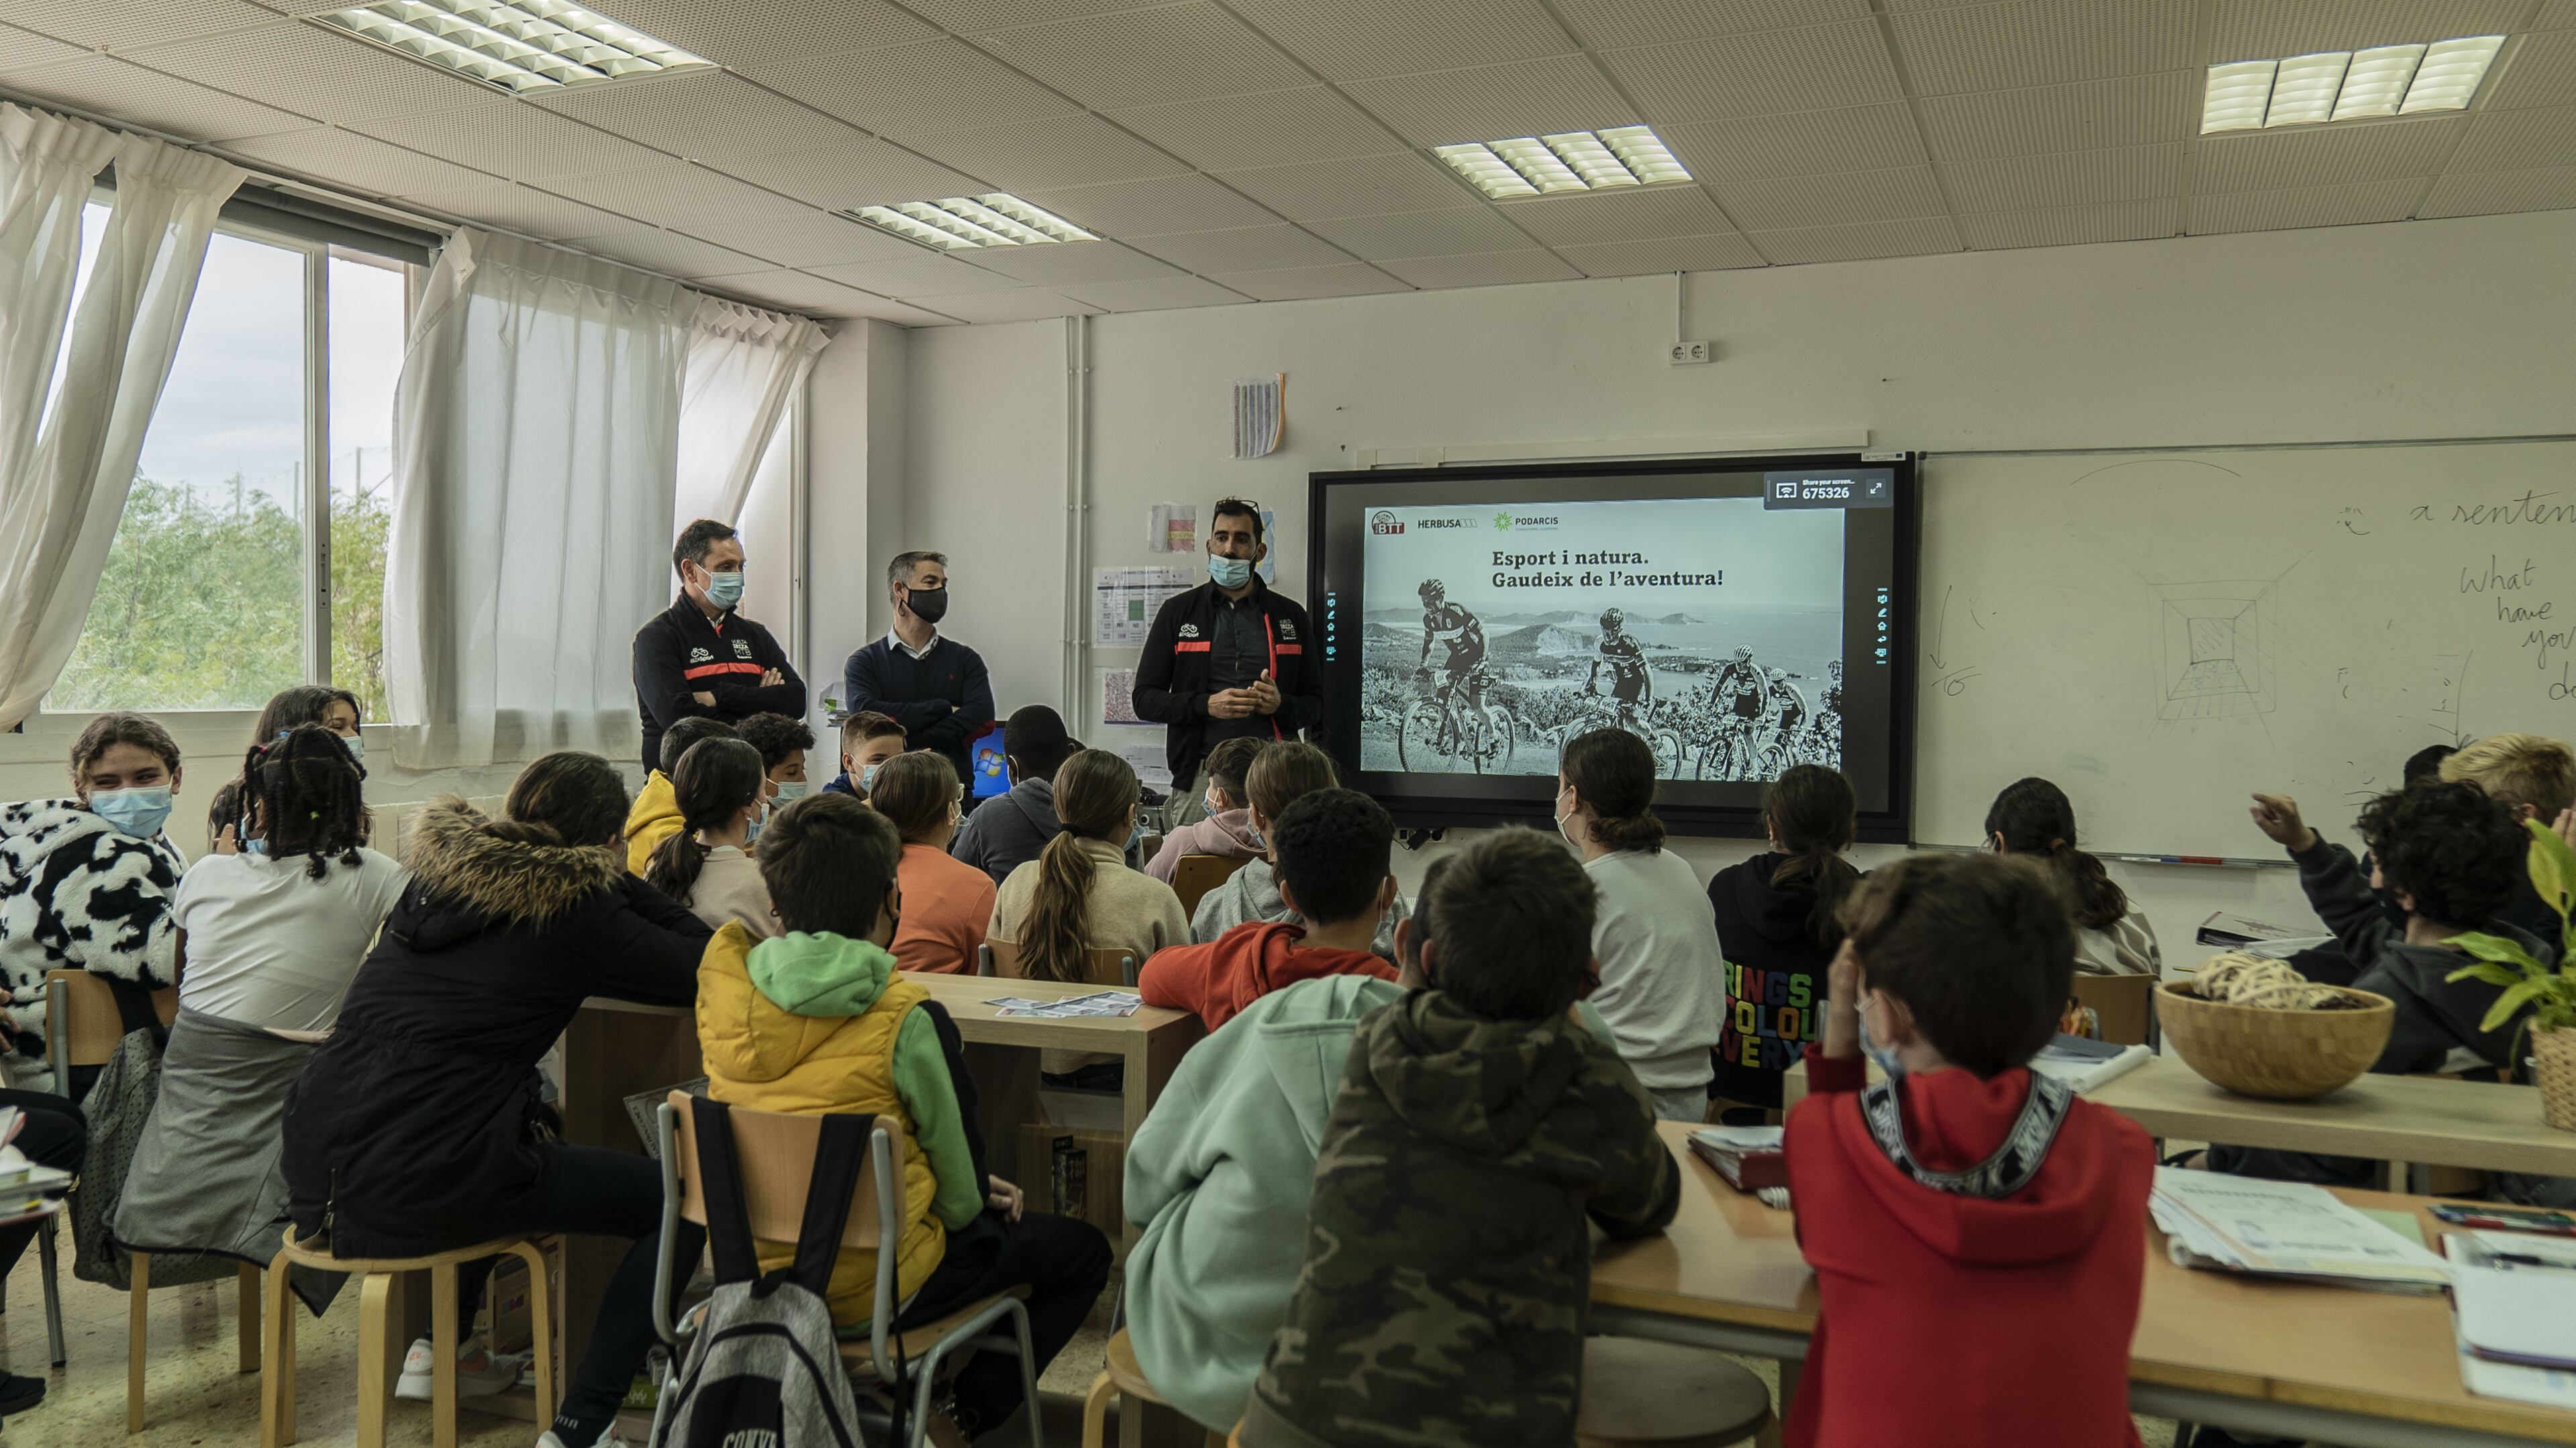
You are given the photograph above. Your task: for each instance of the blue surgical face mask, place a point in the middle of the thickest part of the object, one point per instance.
(1887, 1061)
(1208, 802)
(791, 789)
(357, 747)
(868, 777)
(254, 846)
(1229, 572)
(136, 812)
(724, 590)
(751, 831)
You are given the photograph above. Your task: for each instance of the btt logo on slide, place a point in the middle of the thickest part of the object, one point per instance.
(1384, 522)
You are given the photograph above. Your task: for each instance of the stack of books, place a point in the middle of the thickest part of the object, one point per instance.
(2286, 1230)
(1749, 1157)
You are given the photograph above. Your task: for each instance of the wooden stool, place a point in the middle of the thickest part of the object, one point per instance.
(1125, 1381)
(1638, 1393)
(376, 1278)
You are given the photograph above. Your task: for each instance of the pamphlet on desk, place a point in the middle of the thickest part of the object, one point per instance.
(2513, 1299)
(2286, 1230)
(2085, 1064)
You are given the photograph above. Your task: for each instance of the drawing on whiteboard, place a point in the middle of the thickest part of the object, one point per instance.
(2217, 653)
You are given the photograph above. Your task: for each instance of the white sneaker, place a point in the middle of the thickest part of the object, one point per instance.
(478, 1373)
(610, 1438)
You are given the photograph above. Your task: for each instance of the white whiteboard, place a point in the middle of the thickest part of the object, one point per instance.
(2164, 633)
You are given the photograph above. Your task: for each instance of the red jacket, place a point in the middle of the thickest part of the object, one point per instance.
(1952, 1320)
(1241, 966)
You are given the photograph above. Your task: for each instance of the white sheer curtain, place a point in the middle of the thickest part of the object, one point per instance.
(536, 448)
(744, 364)
(64, 475)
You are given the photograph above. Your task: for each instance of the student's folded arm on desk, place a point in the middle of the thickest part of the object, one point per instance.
(927, 1082)
(1641, 1186)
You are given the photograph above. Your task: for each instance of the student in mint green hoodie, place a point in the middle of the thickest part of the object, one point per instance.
(818, 1020)
(1217, 1179)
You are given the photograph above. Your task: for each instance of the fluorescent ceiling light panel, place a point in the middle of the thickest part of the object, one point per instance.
(2344, 85)
(516, 45)
(1567, 161)
(961, 223)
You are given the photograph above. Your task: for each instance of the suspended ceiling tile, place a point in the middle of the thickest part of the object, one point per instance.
(914, 90)
(1138, 57)
(1068, 262)
(1724, 252)
(1607, 23)
(2516, 140)
(2364, 201)
(1482, 269)
(1918, 237)
(1347, 40)
(755, 32)
(1306, 283)
(106, 86)
(1856, 138)
(1423, 233)
(1820, 67)
(1521, 98)
(515, 140)
(1250, 248)
(921, 275)
(1360, 186)
(2486, 193)
(25, 49)
(2555, 15)
(971, 17)
(317, 72)
(1598, 218)
(524, 209)
(801, 292)
(2324, 155)
(1028, 304)
(809, 238)
(2535, 70)
(670, 253)
(1786, 202)
(1050, 155)
(2261, 29)
(703, 115)
(2069, 178)
(2072, 225)
(118, 25)
(1158, 206)
(361, 163)
(2041, 42)
(2089, 115)
(674, 194)
(1276, 128)
(1157, 295)
(866, 172)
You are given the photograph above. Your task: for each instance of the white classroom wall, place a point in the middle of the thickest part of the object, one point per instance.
(2422, 329)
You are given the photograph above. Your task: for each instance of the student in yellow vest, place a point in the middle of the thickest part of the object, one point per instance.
(816, 1019)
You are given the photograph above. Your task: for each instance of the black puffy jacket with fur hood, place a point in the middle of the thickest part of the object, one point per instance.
(415, 1127)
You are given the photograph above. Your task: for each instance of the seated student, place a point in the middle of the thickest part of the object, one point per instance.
(1777, 927)
(1009, 832)
(418, 1128)
(705, 864)
(2533, 776)
(1226, 831)
(1964, 1201)
(223, 819)
(782, 743)
(1332, 847)
(2034, 817)
(272, 935)
(333, 708)
(1663, 978)
(86, 883)
(817, 1020)
(868, 739)
(946, 902)
(1476, 1127)
(1281, 774)
(2328, 965)
(656, 817)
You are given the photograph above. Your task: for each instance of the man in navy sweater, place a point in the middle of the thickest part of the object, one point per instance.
(935, 687)
(700, 658)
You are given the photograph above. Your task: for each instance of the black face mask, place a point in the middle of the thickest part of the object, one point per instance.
(930, 605)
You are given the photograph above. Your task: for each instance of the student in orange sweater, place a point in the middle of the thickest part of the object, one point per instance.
(1332, 847)
(1978, 1231)
(946, 902)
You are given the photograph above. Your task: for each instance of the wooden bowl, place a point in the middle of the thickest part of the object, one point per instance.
(2282, 1055)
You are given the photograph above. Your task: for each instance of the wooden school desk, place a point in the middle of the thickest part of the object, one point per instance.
(2331, 1364)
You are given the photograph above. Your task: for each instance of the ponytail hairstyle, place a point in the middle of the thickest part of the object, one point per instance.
(711, 784)
(2034, 817)
(1613, 771)
(1093, 792)
(1812, 813)
(301, 791)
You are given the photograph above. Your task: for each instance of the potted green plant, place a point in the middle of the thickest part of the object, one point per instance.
(2550, 991)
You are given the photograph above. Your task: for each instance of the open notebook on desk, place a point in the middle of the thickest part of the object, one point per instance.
(2287, 1230)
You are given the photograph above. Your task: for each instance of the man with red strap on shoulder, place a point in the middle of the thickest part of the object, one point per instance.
(1227, 659)
(700, 658)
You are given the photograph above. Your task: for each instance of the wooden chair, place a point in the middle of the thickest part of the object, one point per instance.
(375, 1298)
(1642, 1394)
(774, 1159)
(1198, 874)
(1124, 1381)
(2124, 1004)
(1109, 965)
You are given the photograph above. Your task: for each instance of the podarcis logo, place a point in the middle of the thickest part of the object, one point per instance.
(1503, 520)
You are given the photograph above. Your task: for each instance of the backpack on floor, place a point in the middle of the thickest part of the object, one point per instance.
(764, 1367)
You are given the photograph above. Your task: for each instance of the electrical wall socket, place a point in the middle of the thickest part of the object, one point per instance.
(1686, 353)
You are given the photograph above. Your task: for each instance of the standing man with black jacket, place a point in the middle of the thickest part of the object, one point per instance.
(702, 659)
(932, 685)
(1226, 659)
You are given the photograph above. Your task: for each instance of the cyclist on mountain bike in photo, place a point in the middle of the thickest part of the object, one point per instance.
(1740, 688)
(1786, 706)
(1451, 624)
(1630, 683)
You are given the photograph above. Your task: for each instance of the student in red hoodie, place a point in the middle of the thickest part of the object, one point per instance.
(1332, 848)
(1978, 1232)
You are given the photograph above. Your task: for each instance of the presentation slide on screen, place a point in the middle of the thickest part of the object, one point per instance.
(1710, 627)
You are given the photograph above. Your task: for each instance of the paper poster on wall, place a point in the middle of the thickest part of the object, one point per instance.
(1125, 600)
(1260, 414)
(1172, 528)
(1118, 698)
(1269, 535)
(1151, 764)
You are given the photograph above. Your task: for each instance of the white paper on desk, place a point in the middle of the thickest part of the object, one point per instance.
(2547, 1387)
(2483, 1246)
(1742, 1138)
(2525, 1316)
(2285, 1228)
(2087, 1075)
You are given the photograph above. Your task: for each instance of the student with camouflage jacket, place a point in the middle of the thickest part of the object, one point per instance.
(1477, 1126)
